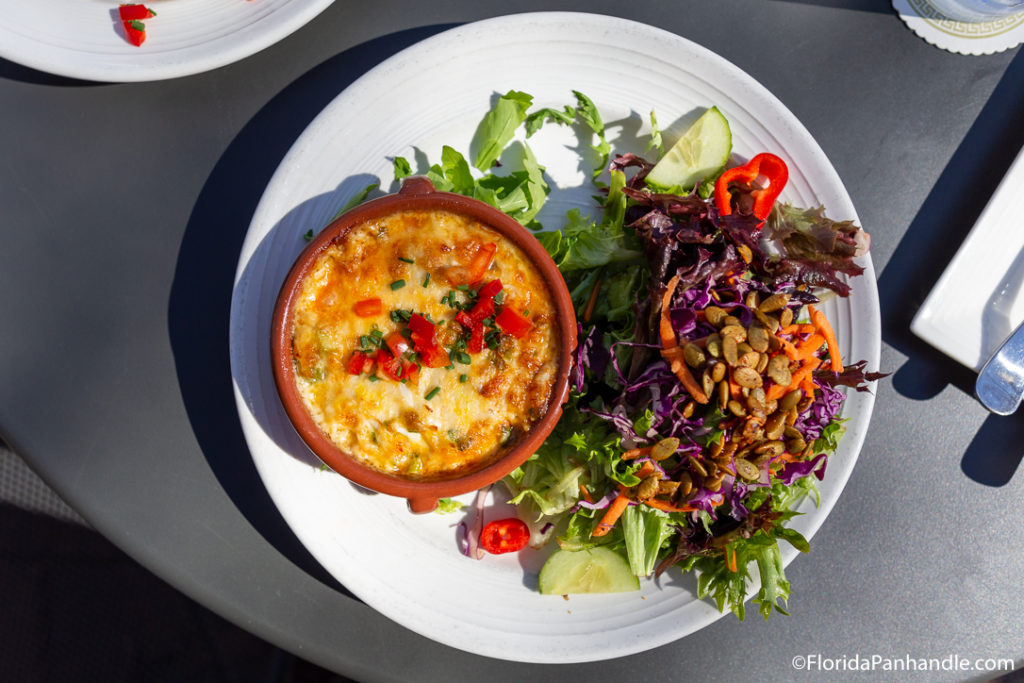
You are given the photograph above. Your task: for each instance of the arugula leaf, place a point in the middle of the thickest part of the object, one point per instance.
(456, 170)
(402, 168)
(498, 126)
(587, 112)
(655, 142)
(536, 119)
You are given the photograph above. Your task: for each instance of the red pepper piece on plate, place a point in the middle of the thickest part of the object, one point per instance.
(135, 31)
(474, 272)
(764, 166)
(476, 338)
(397, 344)
(390, 366)
(484, 309)
(134, 12)
(419, 325)
(512, 322)
(505, 536)
(489, 290)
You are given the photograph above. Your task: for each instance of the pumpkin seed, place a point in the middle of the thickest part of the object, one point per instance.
(808, 452)
(736, 408)
(761, 458)
(707, 383)
(752, 299)
(746, 469)
(778, 370)
(775, 426)
(736, 331)
(729, 351)
(697, 466)
(715, 449)
(717, 372)
(715, 483)
(791, 416)
(730, 321)
(714, 315)
(757, 337)
(729, 449)
(768, 321)
(773, 303)
(689, 408)
(803, 405)
(714, 345)
(796, 445)
(648, 487)
(793, 433)
(756, 399)
(685, 484)
(667, 488)
(746, 377)
(773, 447)
(745, 253)
(693, 355)
(664, 448)
(723, 394)
(750, 359)
(791, 399)
(786, 317)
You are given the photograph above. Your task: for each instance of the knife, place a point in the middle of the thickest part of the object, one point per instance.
(1000, 384)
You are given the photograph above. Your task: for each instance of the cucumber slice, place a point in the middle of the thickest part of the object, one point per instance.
(701, 153)
(595, 570)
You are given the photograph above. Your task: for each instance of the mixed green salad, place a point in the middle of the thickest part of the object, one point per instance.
(705, 397)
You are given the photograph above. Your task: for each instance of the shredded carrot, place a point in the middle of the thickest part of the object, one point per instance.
(777, 391)
(730, 559)
(665, 331)
(668, 507)
(825, 328)
(612, 514)
(586, 494)
(592, 302)
(809, 346)
(674, 356)
(636, 452)
(646, 469)
(789, 349)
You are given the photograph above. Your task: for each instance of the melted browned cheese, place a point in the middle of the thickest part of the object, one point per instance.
(391, 425)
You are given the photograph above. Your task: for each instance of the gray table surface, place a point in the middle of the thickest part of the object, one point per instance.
(123, 211)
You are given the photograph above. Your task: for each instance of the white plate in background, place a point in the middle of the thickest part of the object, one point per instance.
(84, 39)
(409, 567)
(979, 300)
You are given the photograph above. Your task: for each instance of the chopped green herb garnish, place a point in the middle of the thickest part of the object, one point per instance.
(405, 260)
(499, 298)
(397, 284)
(526, 311)
(376, 334)
(463, 379)
(426, 280)
(374, 378)
(462, 288)
(308, 236)
(432, 393)
(138, 25)
(401, 315)
(492, 339)
(462, 357)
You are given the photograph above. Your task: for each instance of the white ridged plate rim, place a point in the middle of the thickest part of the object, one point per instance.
(433, 93)
(82, 38)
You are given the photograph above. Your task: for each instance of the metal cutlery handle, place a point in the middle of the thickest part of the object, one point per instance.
(1000, 384)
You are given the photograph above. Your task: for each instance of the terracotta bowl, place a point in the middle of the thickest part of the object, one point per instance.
(418, 193)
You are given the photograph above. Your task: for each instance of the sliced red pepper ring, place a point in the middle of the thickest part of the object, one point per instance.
(765, 166)
(367, 308)
(505, 536)
(512, 322)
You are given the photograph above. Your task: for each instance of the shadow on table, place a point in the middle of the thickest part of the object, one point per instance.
(200, 301)
(947, 215)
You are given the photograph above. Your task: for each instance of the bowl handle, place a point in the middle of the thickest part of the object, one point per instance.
(420, 506)
(416, 184)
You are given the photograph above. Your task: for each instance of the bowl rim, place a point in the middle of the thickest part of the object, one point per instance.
(419, 193)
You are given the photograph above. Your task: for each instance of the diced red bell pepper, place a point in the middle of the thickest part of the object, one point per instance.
(135, 31)
(476, 338)
(512, 322)
(433, 356)
(389, 365)
(764, 165)
(489, 290)
(422, 327)
(134, 12)
(367, 308)
(397, 343)
(410, 371)
(474, 272)
(358, 363)
(505, 536)
(463, 319)
(484, 309)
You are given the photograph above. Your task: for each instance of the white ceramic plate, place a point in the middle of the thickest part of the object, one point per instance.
(84, 39)
(979, 300)
(409, 567)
